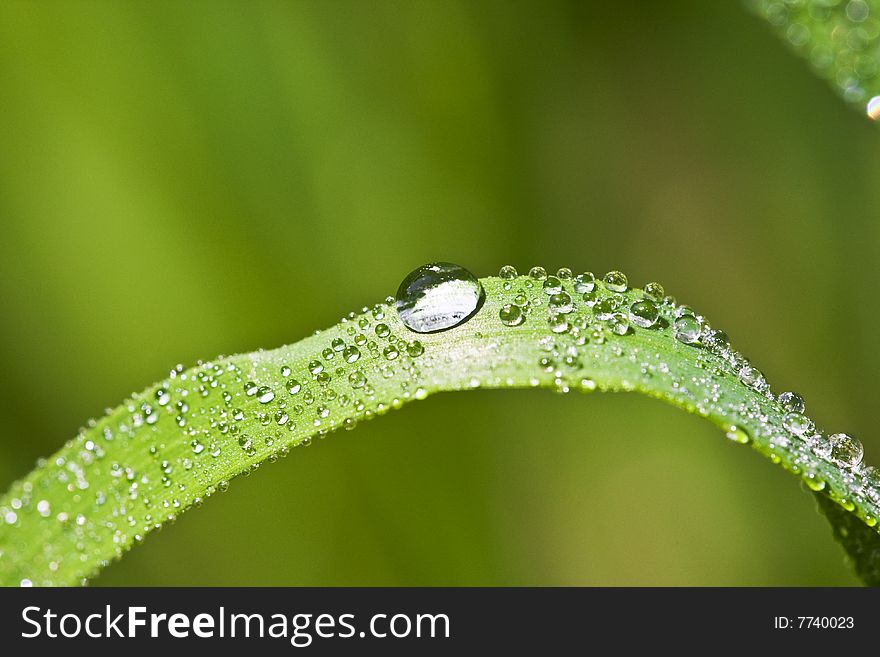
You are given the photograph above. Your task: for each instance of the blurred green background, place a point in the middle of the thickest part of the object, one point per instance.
(183, 179)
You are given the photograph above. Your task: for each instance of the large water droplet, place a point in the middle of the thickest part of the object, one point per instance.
(438, 296)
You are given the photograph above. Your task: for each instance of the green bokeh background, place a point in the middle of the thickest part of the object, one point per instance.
(182, 179)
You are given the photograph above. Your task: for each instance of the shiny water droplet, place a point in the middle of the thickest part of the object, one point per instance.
(265, 395)
(584, 282)
(560, 303)
(687, 329)
(357, 379)
(558, 323)
(846, 450)
(437, 297)
(293, 386)
(792, 402)
(654, 292)
(752, 377)
(382, 330)
(351, 354)
(415, 349)
(616, 281)
(619, 324)
(538, 273)
(604, 308)
(798, 424)
(507, 272)
(247, 445)
(552, 285)
(162, 397)
(644, 313)
(511, 314)
(285, 371)
(563, 273)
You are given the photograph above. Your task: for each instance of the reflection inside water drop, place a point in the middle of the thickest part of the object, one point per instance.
(438, 296)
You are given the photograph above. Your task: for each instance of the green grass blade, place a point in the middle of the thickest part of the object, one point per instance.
(839, 38)
(180, 441)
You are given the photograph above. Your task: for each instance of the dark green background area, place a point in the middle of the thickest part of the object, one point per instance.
(183, 179)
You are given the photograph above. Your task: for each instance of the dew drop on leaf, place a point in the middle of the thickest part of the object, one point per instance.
(797, 423)
(686, 329)
(644, 313)
(846, 450)
(584, 283)
(437, 297)
(616, 281)
(792, 402)
(507, 272)
(511, 314)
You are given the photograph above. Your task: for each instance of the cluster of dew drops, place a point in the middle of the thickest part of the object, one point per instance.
(840, 39)
(586, 310)
(264, 403)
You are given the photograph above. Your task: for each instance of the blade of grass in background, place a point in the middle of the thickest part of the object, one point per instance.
(839, 38)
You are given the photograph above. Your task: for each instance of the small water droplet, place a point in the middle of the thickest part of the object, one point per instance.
(552, 285)
(507, 272)
(511, 314)
(616, 281)
(584, 282)
(687, 329)
(351, 354)
(560, 303)
(538, 273)
(619, 324)
(162, 397)
(797, 423)
(644, 313)
(846, 450)
(437, 297)
(752, 377)
(792, 402)
(654, 292)
(265, 395)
